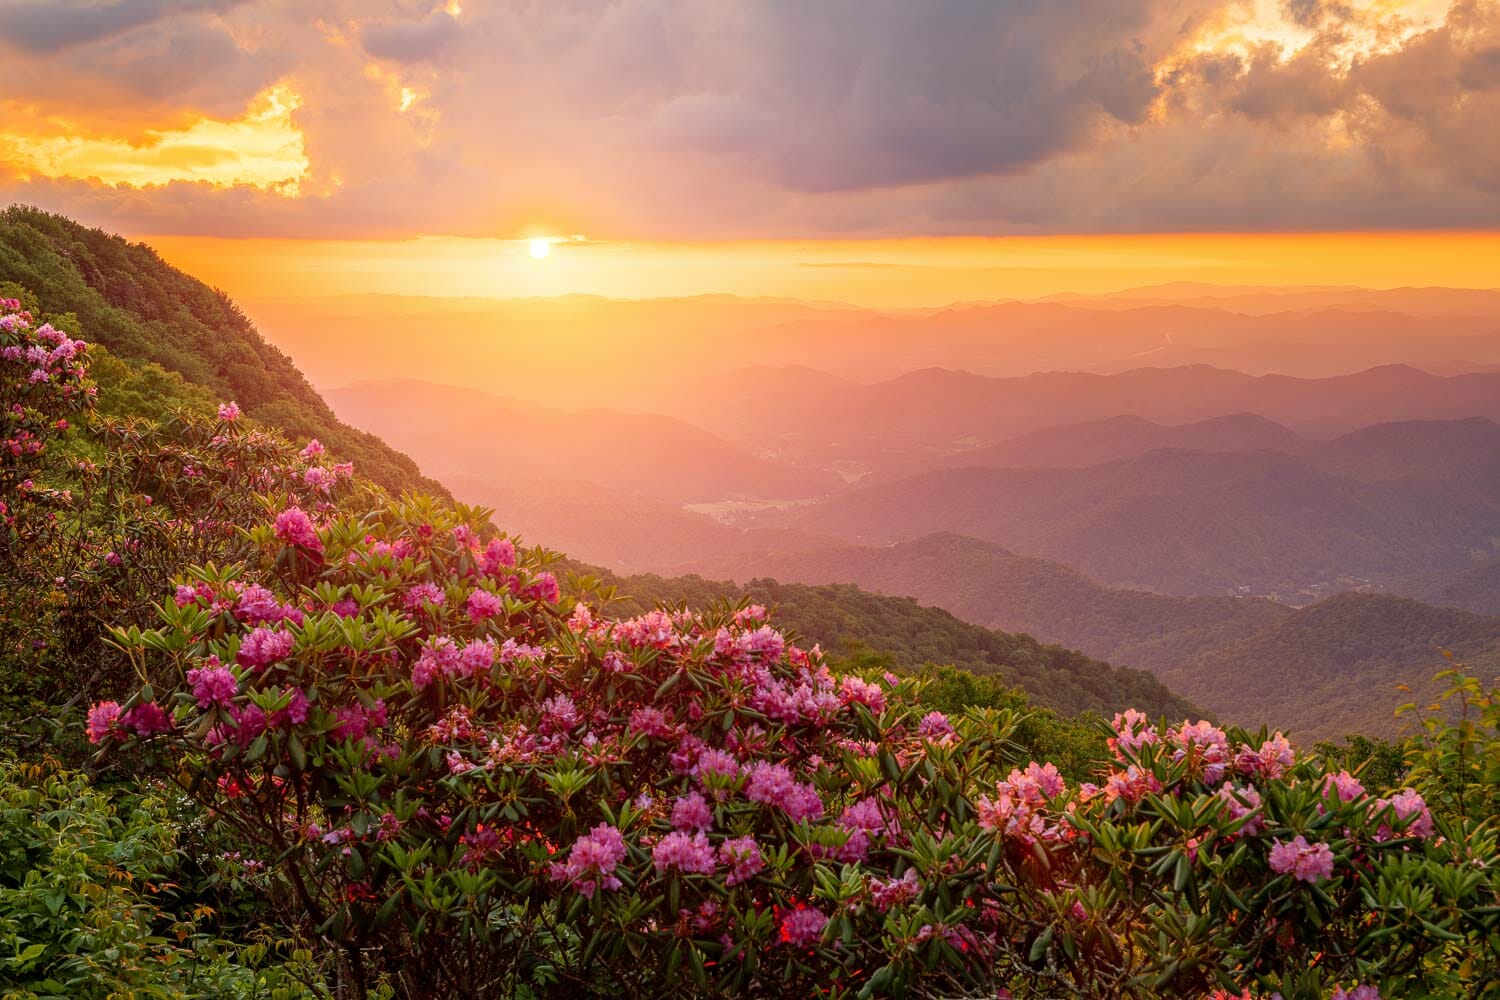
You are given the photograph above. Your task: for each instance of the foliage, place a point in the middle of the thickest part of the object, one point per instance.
(87, 883)
(101, 513)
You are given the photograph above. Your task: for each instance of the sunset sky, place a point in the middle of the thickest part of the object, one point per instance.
(873, 151)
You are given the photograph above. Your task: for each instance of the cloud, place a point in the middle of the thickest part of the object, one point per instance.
(410, 41)
(52, 25)
(677, 119)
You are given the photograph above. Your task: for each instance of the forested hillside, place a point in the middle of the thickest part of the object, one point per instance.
(146, 312)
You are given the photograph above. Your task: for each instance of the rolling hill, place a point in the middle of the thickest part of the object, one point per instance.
(1327, 670)
(147, 313)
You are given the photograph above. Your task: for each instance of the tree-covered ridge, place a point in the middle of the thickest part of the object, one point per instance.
(148, 313)
(875, 629)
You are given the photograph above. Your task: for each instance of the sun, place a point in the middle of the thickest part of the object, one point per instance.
(540, 248)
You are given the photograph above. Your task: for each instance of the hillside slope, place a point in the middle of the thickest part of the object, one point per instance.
(147, 312)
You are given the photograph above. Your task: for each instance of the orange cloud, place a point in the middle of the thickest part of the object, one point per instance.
(263, 148)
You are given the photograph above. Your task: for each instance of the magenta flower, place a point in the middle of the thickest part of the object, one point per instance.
(935, 726)
(262, 647)
(102, 720)
(294, 527)
(1312, 863)
(773, 784)
(742, 857)
(212, 684)
(592, 861)
(691, 812)
(229, 412)
(803, 926)
(147, 719)
(684, 852)
(482, 604)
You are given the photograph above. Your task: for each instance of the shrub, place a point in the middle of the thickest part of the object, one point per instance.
(86, 879)
(439, 748)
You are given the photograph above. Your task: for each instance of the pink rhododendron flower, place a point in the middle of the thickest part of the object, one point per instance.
(1132, 731)
(742, 857)
(773, 784)
(102, 720)
(1412, 815)
(1345, 784)
(1271, 761)
(802, 927)
(212, 684)
(888, 893)
(499, 555)
(684, 852)
(1205, 748)
(691, 812)
(423, 593)
(1311, 863)
(935, 726)
(313, 450)
(147, 719)
(1240, 802)
(229, 412)
(482, 604)
(856, 691)
(1358, 993)
(592, 861)
(294, 527)
(263, 646)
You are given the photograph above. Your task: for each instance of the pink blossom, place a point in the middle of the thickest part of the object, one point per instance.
(887, 893)
(440, 657)
(1358, 993)
(262, 647)
(147, 719)
(1412, 815)
(1241, 802)
(477, 658)
(212, 684)
(482, 604)
(423, 593)
(1132, 731)
(313, 450)
(691, 812)
(592, 861)
(773, 784)
(294, 527)
(1311, 863)
(559, 712)
(857, 691)
(1271, 761)
(802, 927)
(743, 859)
(687, 853)
(499, 554)
(1345, 784)
(935, 726)
(229, 412)
(102, 720)
(1204, 747)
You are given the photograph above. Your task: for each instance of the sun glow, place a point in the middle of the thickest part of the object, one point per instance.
(540, 248)
(262, 148)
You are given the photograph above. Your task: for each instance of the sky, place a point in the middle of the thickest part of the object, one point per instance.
(872, 150)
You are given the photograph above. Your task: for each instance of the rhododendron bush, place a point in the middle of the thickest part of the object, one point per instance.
(97, 516)
(472, 781)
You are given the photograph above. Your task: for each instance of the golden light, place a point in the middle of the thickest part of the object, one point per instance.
(262, 148)
(540, 248)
